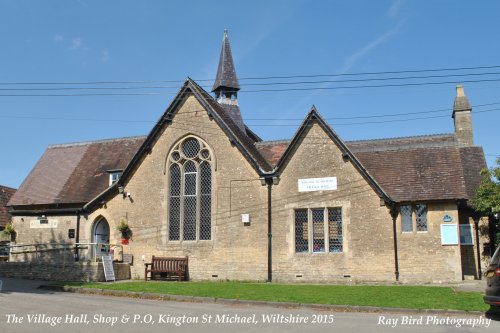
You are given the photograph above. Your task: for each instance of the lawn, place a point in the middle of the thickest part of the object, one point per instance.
(416, 297)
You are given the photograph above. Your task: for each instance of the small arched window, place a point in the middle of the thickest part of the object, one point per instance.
(190, 192)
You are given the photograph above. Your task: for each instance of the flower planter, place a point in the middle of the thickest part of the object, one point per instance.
(124, 241)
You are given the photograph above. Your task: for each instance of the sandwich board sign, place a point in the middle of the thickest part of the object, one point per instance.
(107, 265)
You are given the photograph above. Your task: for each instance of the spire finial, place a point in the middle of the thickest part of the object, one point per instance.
(226, 80)
(460, 90)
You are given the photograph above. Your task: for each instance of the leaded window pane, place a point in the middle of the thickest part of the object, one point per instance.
(189, 225)
(335, 229)
(205, 178)
(190, 194)
(205, 217)
(205, 201)
(190, 147)
(318, 224)
(421, 216)
(301, 231)
(175, 180)
(174, 214)
(406, 220)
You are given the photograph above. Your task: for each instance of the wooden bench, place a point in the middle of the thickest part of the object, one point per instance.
(158, 265)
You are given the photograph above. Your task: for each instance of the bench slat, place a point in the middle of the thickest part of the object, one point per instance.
(166, 265)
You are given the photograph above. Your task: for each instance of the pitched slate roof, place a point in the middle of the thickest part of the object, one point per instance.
(246, 141)
(5, 194)
(74, 173)
(418, 168)
(226, 74)
(403, 169)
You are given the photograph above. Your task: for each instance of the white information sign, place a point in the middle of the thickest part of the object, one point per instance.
(107, 264)
(449, 234)
(318, 184)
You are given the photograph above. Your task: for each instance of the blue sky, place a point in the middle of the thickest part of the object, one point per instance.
(82, 41)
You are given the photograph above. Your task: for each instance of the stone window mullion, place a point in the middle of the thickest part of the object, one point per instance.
(193, 159)
(326, 231)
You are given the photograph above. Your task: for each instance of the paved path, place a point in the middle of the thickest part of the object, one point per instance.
(92, 313)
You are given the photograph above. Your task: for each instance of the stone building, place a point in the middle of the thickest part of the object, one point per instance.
(5, 195)
(313, 208)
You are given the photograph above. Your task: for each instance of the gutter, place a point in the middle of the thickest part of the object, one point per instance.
(36, 212)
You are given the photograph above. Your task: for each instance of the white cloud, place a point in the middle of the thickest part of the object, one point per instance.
(58, 38)
(76, 44)
(369, 47)
(350, 62)
(395, 8)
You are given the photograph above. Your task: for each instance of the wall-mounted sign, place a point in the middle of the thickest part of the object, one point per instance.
(447, 218)
(107, 264)
(318, 184)
(449, 234)
(43, 224)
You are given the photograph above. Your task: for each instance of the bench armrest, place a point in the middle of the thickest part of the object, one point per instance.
(147, 264)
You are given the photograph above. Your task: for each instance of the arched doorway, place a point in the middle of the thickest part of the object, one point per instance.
(100, 231)
(100, 235)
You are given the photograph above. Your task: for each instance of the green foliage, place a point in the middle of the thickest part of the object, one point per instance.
(9, 229)
(414, 297)
(487, 197)
(124, 228)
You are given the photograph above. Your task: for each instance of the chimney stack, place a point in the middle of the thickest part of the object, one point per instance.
(462, 116)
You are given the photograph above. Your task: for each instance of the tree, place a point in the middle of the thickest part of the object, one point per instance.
(487, 197)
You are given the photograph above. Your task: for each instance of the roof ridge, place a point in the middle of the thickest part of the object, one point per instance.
(7, 187)
(269, 142)
(83, 143)
(403, 137)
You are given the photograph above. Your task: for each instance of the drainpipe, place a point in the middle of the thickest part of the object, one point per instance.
(269, 232)
(269, 181)
(394, 215)
(77, 236)
(478, 248)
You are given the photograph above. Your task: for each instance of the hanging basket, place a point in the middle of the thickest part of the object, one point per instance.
(124, 241)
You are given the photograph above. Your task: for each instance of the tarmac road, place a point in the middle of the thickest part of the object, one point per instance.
(23, 308)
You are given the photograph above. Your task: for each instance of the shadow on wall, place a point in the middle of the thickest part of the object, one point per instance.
(47, 259)
(52, 250)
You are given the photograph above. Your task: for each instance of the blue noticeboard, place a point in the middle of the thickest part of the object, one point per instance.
(449, 234)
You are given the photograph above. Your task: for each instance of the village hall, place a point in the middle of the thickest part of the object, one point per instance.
(313, 208)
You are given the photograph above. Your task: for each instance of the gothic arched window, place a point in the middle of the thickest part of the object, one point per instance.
(190, 192)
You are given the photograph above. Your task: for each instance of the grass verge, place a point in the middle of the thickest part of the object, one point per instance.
(413, 297)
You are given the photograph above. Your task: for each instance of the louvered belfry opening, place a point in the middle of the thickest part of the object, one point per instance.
(190, 191)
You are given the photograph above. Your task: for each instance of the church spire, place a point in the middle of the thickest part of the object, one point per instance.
(226, 83)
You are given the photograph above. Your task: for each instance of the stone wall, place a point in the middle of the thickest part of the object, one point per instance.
(82, 271)
(235, 251)
(368, 250)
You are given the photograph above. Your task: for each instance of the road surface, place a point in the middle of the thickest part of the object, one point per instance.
(23, 308)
